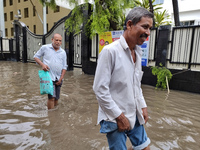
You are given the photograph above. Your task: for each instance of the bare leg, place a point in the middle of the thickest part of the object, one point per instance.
(147, 148)
(50, 103)
(56, 102)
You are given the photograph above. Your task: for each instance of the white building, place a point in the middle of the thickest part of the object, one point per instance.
(189, 11)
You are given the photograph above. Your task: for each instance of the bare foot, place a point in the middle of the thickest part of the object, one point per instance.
(130, 148)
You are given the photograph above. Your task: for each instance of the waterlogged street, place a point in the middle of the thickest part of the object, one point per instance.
(26, 124)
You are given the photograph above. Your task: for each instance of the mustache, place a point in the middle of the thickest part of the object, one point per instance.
(144, 35)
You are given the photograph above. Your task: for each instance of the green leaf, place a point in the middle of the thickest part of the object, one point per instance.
(161, 72)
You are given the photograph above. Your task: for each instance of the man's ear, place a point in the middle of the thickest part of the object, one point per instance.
(129, 24)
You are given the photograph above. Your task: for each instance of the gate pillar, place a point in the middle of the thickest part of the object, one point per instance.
(16, 36)
(163, 39)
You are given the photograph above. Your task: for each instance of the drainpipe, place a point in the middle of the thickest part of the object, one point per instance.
(2, 25)
(44, 20)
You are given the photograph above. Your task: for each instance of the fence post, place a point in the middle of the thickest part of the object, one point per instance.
(97, 44)
(11, 46)
(17, 42)
(1, 43)
(24, 56)
(191, 48)
(43, 40)
(163, 37)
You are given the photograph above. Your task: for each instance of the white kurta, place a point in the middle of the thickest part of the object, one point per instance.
(117, 83)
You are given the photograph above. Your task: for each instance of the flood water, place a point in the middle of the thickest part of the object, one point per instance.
(26, 124)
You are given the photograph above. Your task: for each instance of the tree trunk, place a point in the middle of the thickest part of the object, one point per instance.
(176, 12)
(151, 10)
(151, 6)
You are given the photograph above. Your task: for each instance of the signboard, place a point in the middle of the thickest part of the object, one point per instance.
(109, 37)
(145, 52)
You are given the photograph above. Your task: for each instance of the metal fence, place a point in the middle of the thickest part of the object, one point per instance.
(183, 50)
(183, 46)
(6, 47)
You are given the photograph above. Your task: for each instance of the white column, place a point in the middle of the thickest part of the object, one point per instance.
(44, 20)
(2, 25)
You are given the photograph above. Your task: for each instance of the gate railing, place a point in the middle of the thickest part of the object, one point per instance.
(7, 48)
(183, 50)
(77, 49)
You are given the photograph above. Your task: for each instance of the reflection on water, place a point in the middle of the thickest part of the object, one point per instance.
(25, 122)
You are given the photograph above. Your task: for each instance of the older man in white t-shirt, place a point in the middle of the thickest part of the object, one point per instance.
(54, 61)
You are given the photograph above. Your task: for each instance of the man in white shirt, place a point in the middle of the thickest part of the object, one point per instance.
(117, 85)
(54, 61)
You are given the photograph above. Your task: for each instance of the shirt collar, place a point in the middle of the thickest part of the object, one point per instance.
(51, 46)
(125, 45)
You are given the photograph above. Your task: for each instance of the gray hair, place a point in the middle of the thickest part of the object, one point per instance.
(136, 14)
(54, 35)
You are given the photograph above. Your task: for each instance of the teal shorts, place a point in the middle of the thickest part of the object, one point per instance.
(117, 140)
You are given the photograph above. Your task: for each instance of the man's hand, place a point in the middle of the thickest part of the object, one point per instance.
(61, 77)
(145, 114)
(58, 82)
(45, 67)
(123, 123)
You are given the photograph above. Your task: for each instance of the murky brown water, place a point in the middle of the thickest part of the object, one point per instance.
(26, 124)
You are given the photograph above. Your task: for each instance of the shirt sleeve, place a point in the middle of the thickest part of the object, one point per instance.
(65, 61)
(139, 72)
(142, 101)
(101, 85)
(39, 53)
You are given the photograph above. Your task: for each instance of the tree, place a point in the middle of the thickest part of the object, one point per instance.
(146, 4)
(151, 10)
(106, 15)
(50, 3)
(160, 17)
(151, 6)
(176, 12)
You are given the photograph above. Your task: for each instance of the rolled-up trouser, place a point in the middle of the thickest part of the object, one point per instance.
(117, 140)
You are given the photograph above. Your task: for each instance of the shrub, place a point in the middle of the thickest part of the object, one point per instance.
(161, 72)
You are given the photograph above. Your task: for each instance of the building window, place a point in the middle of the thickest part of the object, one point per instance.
(6, 31)
(25, 0)
(187, 23)
(12, 31)
(19, 12)
(33, 10)
(34, 29)
(47, 10)
(5, 16)
(57, 9)
(11, 2)
(4, 3)
(18, 1)
(25, 12)
(11, 15)
(158, 2)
